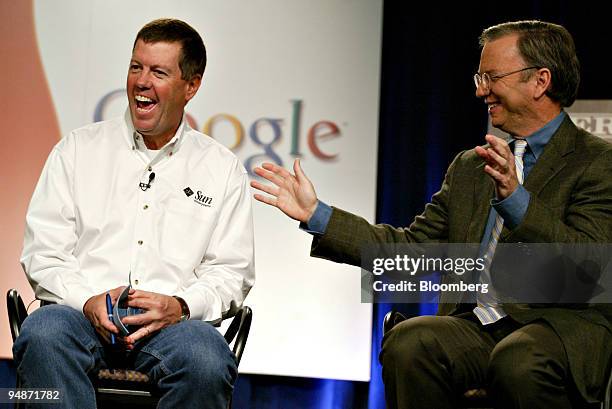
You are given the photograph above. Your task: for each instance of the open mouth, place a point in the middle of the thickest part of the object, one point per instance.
(144, 104)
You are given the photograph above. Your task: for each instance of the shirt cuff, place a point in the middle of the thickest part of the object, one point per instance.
(319, 219)
(77, 298)
(513, 208)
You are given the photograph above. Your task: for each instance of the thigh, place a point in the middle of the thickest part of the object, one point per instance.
(459, 345)
(56, 340)
(530, 368)
(58, 325)
(192, 344)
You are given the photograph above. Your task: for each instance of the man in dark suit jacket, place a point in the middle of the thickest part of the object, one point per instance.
(528, 356)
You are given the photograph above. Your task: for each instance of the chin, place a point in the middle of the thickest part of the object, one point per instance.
(144, 131)
(142, 125)
(497, 122)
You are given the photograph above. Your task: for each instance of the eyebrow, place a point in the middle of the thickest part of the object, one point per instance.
(488, 71)
(153, 67)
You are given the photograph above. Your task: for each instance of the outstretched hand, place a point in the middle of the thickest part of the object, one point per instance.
(293, 194)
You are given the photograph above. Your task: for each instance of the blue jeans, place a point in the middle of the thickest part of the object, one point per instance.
(190, 362)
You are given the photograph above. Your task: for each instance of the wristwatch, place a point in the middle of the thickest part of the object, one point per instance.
(184, 309)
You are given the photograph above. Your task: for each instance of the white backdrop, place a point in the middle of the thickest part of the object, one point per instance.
(262, 56)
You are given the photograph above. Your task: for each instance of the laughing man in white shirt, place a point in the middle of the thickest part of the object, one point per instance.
(142, 200)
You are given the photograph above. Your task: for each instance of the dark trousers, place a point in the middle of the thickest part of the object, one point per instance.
(430, 361)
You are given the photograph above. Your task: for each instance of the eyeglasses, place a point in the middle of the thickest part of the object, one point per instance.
(485, 79)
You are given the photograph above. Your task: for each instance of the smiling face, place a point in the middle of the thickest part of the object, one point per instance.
(157, 94)
(510, 100)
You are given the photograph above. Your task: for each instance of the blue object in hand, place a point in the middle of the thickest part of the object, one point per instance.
(109, 311)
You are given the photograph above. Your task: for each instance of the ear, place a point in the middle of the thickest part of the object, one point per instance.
(542, 78)
(192, 87)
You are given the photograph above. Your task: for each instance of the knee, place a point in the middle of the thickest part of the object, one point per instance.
(409, 341)
(50, 335)
(509, 364)
(204, 354)
(520, 362)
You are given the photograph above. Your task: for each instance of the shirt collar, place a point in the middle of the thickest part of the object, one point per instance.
(538, 140)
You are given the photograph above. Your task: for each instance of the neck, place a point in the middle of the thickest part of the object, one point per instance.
(539, 118)
(156, 142)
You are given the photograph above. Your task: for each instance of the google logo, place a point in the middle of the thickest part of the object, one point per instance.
(318, 132)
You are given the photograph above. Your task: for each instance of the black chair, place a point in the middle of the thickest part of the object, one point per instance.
(117, 388)
(477, 398)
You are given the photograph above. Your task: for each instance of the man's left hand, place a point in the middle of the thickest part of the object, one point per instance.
(160, 311)
(499, 165)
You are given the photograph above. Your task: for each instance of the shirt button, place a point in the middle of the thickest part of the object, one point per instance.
(136, 282)
(170, 154)
(140, 242)
(150, 168)
(145, 207)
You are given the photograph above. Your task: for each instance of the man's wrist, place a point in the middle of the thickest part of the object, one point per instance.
(185, 314)
(317, 224)
(85, 304)
(311, 211)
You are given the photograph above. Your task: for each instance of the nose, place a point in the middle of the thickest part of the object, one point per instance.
(143, 80)
(482, 91)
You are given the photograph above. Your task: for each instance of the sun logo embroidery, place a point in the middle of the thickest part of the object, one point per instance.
(202, 199)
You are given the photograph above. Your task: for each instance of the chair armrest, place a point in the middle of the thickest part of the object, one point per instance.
(16, 311)
(392, 318)
(239, 328)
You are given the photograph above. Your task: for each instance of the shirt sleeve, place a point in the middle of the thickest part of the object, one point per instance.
(227, 273)
(319, 220)
(50, 235)
(513, 208)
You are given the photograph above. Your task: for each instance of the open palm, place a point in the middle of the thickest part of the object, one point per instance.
(293, 194)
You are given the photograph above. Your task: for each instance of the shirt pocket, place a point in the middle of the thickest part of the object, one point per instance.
(185, 231)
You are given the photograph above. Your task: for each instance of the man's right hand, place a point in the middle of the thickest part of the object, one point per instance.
(294, 195)
(95, 311)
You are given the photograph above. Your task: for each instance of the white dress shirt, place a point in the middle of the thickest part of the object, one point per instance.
(90, 227)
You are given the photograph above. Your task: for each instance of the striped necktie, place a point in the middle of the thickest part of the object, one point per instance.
(488, 310)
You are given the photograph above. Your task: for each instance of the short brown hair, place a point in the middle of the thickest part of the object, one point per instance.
(544, 45)
(192, 60)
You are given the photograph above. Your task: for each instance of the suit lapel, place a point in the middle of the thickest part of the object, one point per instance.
(553, 158)
(550, 162)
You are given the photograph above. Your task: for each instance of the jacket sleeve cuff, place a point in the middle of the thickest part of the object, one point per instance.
(319, 220)
(513, 208)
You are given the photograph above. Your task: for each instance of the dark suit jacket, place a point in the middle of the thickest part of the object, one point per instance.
(571, 201)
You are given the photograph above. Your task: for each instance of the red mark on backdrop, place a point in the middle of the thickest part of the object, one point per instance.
(29, 129)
